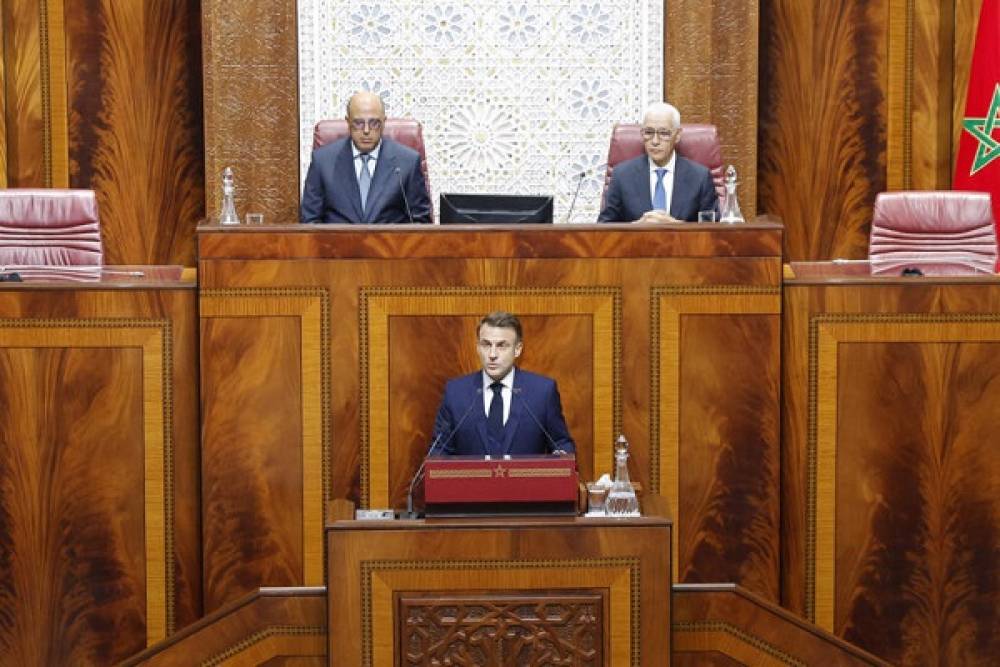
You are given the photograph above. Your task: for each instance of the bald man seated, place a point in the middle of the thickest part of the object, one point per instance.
(660, 185)
(365, 178)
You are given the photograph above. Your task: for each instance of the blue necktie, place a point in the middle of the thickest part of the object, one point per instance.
(494, 420)
(365, 180)
(660, 195)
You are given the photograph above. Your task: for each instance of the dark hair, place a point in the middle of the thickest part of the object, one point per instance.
(501, 319)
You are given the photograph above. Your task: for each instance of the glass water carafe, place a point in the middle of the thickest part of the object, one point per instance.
(621, 499)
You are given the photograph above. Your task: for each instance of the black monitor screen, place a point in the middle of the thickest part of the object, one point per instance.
(495, 209)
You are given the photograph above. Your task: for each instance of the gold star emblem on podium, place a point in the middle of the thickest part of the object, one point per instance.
(982, 129)
(499, 471)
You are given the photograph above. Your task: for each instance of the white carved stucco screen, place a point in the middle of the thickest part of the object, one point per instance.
(514, 97)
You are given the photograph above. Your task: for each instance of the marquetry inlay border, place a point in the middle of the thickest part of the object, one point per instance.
(900, 72)
(381, 579)
(276, 641)
(378, 304)
(668, 305)
(826, 333)
(54, 93)
(312, 307)
(729, 640)
(154, 337)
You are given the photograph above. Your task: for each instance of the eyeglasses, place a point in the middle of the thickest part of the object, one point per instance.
(500, 346)
(650, 132)
(371, 123)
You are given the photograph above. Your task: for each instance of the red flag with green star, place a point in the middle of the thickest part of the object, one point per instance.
(978, 164)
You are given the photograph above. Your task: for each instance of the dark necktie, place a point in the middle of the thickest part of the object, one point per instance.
(365, 180)
(494, 420)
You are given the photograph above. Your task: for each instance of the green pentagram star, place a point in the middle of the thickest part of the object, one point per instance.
(982, 129)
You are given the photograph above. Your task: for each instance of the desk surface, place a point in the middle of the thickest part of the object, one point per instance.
(99, 277)
(858, 272)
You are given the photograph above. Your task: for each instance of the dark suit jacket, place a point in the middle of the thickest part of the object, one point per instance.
(331, 191)
(628, 195)
(533, 397)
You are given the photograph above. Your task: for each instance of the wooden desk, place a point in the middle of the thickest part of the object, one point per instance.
(890, 473)
(326, 348)
(409, 592)
(99, 514)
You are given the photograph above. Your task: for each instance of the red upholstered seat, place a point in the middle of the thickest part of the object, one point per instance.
(406, 131)
(49, 227)
(698, 142)
(938, 232)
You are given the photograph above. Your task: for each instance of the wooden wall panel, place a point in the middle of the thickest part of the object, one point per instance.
(823, 121)
(99, 528)
(106, 95)
(891, 523)
(649, 332)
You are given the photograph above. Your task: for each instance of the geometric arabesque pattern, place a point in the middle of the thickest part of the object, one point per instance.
(514, 96)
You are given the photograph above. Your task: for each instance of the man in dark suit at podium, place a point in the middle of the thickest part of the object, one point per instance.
(659, 186)
(501, 409)
(365, 178)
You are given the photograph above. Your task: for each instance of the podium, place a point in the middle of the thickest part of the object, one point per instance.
(493, 591)
(477, 485)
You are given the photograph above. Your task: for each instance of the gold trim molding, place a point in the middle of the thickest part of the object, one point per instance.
(826, 334)
(155, 339)
(729, 640)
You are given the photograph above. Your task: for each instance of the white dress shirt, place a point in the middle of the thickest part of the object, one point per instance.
(507, 392)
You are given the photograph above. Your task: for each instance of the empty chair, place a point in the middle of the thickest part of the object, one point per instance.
(698, 142)
(937, 232)
(49, 227)
(406, 131)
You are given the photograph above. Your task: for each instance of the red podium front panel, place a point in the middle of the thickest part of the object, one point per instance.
(540, 481)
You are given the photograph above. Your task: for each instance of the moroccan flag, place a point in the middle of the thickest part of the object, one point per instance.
(978, 164)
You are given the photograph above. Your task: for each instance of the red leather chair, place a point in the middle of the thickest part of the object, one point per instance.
(49, 227)
(698, 142)
(406, 131)
(939, 232)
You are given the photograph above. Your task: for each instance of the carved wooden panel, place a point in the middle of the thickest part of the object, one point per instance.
(373, 568)
(890, 482)
(530, 629)
(711, 73)
(99, 534)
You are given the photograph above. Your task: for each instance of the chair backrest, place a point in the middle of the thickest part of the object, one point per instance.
(939, 232)
(699, 142)
(49, 227)
(406, 131)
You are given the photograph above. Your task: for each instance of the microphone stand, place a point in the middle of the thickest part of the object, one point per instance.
(410, 514)
(552, 442)
(406, 200)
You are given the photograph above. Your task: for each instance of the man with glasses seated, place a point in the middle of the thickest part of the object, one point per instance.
(660, 186)
(365, 179)
(501, 409)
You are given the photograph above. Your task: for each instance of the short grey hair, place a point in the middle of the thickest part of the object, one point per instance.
(663, 107)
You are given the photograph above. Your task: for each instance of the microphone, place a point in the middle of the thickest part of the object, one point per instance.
(579, 182)
(406, 200)
(552, 442)
(430, 452)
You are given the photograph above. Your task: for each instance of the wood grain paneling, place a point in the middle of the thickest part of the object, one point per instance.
(273, 626)
(265, 357)
(98, 499)
(106, 95)
(402, 309)
(625, 562)
(891, 522)
(723, 624)
(823, 122)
